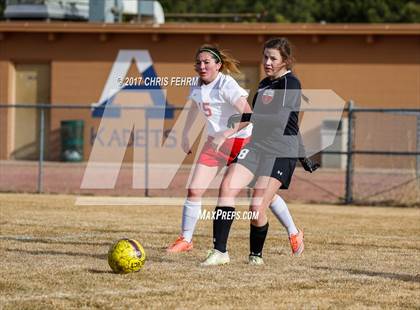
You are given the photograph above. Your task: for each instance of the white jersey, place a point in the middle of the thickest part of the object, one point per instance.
(216, 101)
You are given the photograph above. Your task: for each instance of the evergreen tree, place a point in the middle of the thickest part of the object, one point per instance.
(305, 11)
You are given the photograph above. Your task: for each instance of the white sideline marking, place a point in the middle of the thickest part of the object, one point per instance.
(147, 201)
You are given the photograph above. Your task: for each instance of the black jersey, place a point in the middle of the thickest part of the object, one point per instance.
(275, 116)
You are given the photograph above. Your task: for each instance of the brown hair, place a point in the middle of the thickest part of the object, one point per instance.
(229, 64)
(284, 47)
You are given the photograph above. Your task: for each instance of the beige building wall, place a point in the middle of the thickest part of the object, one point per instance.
(382, 70)
(384, 73)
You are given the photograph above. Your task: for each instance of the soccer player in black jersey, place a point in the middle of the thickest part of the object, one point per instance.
(269, 159)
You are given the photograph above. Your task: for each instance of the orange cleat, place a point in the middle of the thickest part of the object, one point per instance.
(296, 242)
(180, 245)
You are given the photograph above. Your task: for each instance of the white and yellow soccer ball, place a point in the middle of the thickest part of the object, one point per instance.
(126, 255)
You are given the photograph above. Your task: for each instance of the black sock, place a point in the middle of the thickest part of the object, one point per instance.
(221, 227)
(257, 238)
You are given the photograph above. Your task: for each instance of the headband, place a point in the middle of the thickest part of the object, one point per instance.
(211, 52)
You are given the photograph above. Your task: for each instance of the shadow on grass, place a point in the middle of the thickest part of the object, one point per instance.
(111, 230)
(97, 271)
(156, 259)
(386, 275)
(49, 241)
(99, 256)
(371, 245)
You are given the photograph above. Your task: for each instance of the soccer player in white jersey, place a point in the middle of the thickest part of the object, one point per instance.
(218, 96)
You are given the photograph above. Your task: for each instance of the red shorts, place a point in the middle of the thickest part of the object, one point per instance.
(226, 154)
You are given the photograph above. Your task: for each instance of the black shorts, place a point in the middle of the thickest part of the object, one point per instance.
(261, 164)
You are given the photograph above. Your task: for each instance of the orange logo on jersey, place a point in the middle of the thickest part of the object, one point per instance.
(268, 96)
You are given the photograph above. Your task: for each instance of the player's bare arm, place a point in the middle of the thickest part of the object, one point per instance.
(192, 115)
(242, 106)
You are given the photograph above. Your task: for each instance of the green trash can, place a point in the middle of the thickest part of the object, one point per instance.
(72, 140)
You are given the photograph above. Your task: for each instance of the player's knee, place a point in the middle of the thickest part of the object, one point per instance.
(276, 198)
(257, 208)
(259, 202)
(225, 188)
(195, 192)
(259, 217)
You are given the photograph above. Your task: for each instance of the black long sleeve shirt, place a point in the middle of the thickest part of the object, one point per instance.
(275, 116)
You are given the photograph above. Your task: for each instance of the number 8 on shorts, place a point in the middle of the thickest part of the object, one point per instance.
(243, 153)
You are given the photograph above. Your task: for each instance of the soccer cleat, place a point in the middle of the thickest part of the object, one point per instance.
(180, 245)
(255, 260)
(215, 258)
(296, 242)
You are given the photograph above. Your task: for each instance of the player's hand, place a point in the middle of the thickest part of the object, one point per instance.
(235, 118)
(308, 164)
(185, 144)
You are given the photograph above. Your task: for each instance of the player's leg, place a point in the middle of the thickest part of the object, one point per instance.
(279, 208)
(235, 179)
(281, 211)
(265, 189)
(283, 170)
(202, 177)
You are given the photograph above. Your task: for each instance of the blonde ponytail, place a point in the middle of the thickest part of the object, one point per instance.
(229, 64)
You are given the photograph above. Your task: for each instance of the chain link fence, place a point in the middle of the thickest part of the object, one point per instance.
(374, 158)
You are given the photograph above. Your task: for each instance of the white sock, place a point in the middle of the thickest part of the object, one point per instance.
(280, 210)
(190, 215)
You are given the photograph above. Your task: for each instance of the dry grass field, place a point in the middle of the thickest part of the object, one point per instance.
(53, 255)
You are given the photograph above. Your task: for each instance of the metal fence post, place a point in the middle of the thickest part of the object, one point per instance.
(146, 154)
(40, 184)
(349, 168)
(418, 149)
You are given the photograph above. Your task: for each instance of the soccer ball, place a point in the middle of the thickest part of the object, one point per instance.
(126, 255)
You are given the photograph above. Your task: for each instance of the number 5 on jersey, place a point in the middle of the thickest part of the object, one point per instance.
(206, 108)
